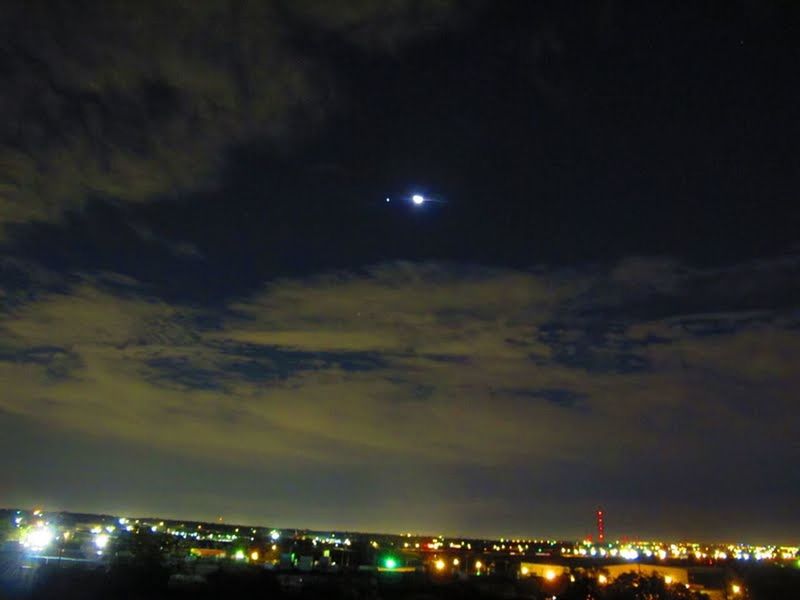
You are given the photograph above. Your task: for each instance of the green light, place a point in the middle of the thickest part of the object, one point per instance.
(390, 563)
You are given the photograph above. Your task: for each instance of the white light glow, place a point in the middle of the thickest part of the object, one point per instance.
(629, 554)
(417, 199)
(38, 539)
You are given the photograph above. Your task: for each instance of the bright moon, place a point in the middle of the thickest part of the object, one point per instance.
(417, 199)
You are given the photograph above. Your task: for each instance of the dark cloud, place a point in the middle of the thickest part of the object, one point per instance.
(234, 362)
(57, 363)
(179, 372)
(104, 100)
(602, 352)
(640, 289)
(560, 397)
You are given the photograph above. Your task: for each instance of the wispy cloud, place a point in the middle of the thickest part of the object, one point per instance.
(427, 364)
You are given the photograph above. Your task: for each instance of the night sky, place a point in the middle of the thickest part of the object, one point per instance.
(207, 306)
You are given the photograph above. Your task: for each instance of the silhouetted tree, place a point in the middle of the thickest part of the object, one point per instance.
(633, 586)
(139, 565)
(583, 588)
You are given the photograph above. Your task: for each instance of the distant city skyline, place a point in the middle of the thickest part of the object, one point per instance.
(589, 538)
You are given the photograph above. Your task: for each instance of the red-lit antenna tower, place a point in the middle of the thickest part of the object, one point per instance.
(601, 526)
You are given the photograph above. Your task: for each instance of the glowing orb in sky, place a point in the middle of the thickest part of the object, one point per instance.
(417, 199)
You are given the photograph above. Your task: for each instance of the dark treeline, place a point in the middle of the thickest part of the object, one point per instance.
(140, 582)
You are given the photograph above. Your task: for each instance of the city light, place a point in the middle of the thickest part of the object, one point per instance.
(629, 554)
(42, 534)
(38, 538)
